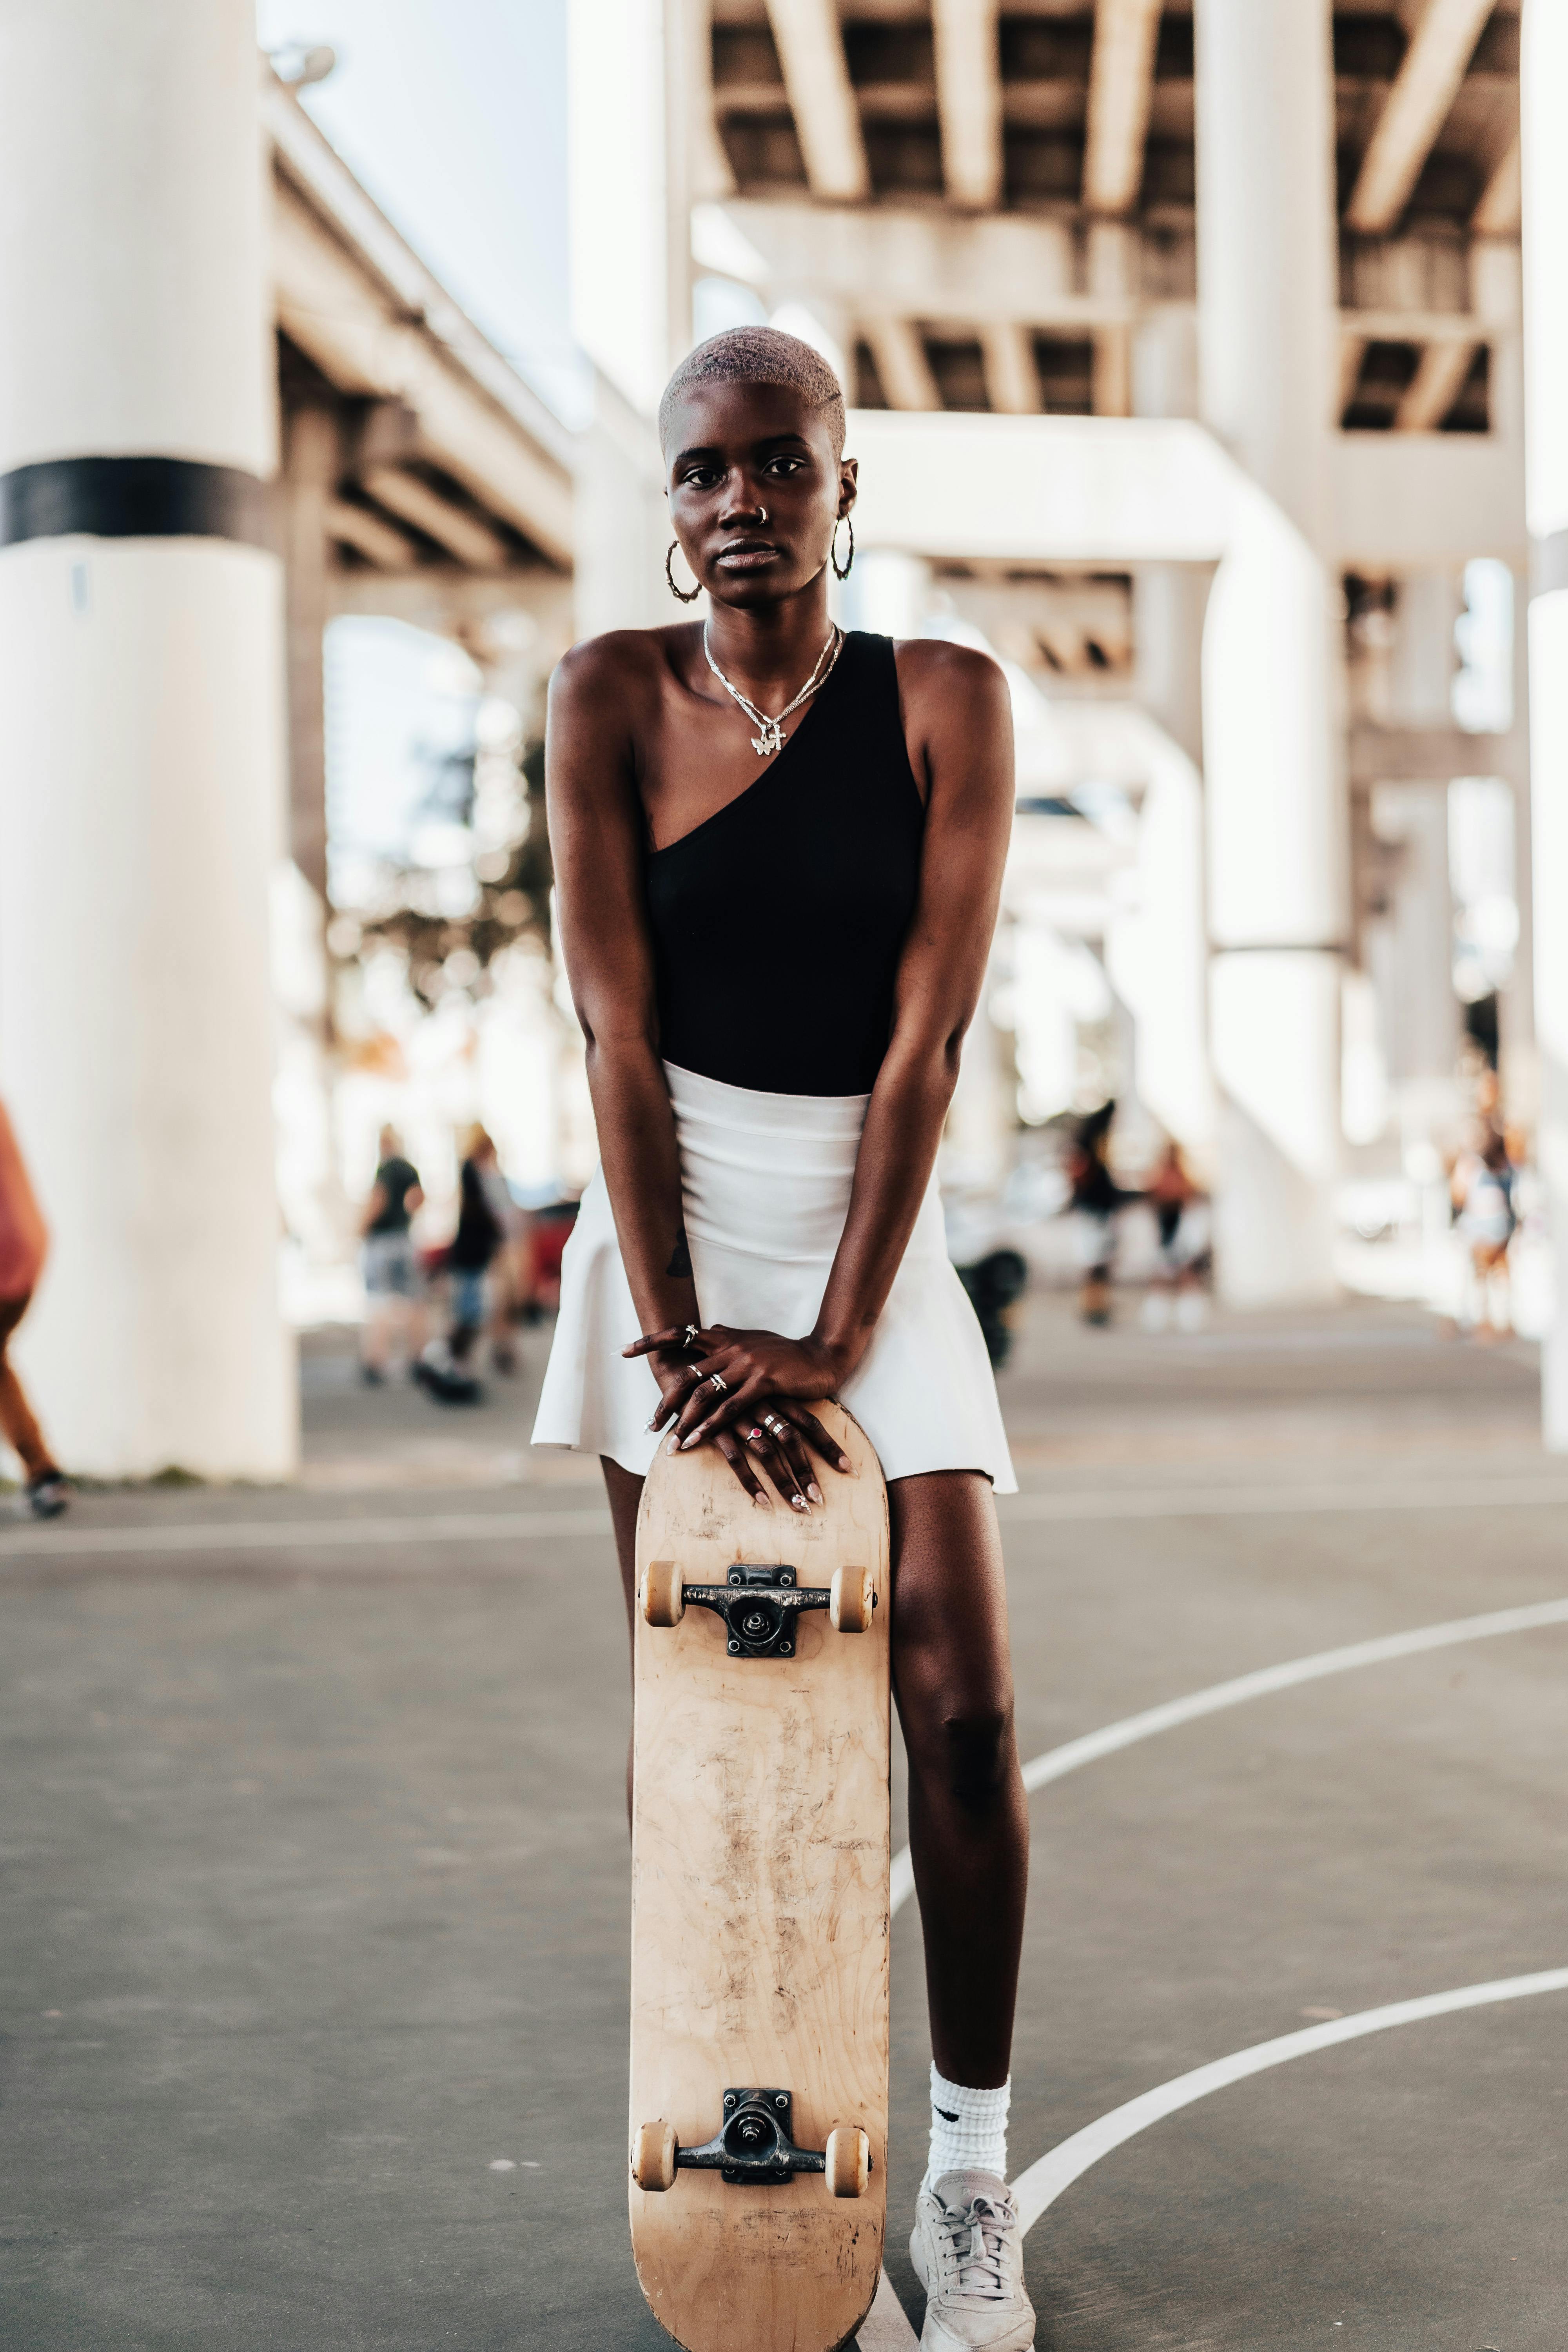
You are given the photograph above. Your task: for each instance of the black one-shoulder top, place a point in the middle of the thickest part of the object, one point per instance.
(778, 922)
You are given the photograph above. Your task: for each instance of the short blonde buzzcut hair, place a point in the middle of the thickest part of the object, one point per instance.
(757, 355)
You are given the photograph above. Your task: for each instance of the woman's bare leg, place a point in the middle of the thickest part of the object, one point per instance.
(969, 1826)
(624, 1488)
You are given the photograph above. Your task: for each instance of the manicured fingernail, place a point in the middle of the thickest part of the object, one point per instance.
(815, 1491)
(762, 1502)
(845, 1462)
(674, 1443)
(693, 1440)
(799, 1502)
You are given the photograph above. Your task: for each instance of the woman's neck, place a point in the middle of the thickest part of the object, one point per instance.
(772, 647)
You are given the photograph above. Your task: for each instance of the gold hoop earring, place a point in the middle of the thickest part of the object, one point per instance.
(842, 573)
(686, 595)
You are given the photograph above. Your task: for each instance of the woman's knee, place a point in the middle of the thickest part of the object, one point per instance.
(962, 1747)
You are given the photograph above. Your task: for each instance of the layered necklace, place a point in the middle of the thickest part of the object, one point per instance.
(769, 737)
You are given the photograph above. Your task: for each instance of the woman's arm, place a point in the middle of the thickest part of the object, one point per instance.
(596, 828)
(959, 716)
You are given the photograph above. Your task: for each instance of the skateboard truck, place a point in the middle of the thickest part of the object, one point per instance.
(759, 1606)
(754, 2146)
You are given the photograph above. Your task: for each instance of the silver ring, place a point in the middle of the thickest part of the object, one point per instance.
(718, 1383)
(776, 1426)
(690, 1335)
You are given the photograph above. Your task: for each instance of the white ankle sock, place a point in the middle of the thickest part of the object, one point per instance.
(968, 2129)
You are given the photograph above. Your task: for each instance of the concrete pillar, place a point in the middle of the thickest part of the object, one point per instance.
(887, 591)
(313, 461)
(1543, 84)
(140, 674)
(1267, 295)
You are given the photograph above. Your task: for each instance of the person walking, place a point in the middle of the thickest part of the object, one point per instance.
(24, 1245)
(1096, 1202)
(778, 853)
(480, 1235)
(393, 1306)
(1180, 1220)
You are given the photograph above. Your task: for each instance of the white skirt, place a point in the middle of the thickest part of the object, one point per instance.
(765, 1184)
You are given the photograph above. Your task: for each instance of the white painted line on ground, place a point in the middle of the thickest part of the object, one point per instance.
(1279, 1501)
(885, 2328)
(1040, 2187)
(1058, 1761)
(303, 1535)
(490, 1526)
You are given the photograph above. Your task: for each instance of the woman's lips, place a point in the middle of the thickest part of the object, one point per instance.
(748, 553)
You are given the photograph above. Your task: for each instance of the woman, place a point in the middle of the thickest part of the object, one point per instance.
(775, 945)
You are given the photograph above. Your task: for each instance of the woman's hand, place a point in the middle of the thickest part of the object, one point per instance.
(749, 1393)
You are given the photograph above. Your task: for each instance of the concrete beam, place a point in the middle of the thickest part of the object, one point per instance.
(356, 527)
(1012, 378)
(1501, 205)
(465, 539)
(354, 298)
(1433, 388)
(1416, 108)
(1121, 90)
(969, 100)
(902, 368)
(888, 262)
(1092, 489)
(810, 44)
(1380, 755)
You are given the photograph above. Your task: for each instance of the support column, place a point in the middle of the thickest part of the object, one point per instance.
(1271, 732)
(1544, 86)
(140, 673)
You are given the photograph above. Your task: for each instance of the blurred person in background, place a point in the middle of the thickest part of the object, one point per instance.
(1180, 1217)
(510, 1268)
(479, 1236)
(1482, 1194)
(445, 1367)
(1096, 1203)
(24, 1245)
(392, 1284)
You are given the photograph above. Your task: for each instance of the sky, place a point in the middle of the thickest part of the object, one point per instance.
(452, 114)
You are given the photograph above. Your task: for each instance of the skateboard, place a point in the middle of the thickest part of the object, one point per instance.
(759, 2057)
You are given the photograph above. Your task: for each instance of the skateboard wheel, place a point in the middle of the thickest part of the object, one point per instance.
(848, 2158)
(661, 1594)
(652, 2156)
(852, 1598)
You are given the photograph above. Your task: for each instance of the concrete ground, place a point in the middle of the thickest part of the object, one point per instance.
(313, 1913)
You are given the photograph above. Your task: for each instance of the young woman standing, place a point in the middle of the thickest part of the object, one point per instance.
(778, 852)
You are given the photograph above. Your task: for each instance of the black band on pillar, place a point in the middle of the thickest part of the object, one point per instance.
(135, 498)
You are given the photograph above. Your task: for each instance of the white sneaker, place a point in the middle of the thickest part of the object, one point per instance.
(968, 2253)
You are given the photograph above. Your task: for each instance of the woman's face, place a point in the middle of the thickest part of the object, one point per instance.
(754, 488)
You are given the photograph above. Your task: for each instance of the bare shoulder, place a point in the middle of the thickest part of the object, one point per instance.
(933, 671)
(621, 660)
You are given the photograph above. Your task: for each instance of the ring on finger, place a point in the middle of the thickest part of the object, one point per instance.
(718, 1383)
(775, 1426)
(690, 1335)
(754, 1436)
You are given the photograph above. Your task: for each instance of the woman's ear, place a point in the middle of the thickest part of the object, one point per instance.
(848, 483)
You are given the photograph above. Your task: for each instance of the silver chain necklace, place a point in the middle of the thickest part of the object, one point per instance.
(769, 737)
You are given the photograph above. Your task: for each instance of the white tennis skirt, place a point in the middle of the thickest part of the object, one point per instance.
(765, 1182)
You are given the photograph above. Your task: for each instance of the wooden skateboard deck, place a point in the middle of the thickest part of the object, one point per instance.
(760, 1915)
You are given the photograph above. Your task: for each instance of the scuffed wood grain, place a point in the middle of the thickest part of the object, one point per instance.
(760, 1909)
